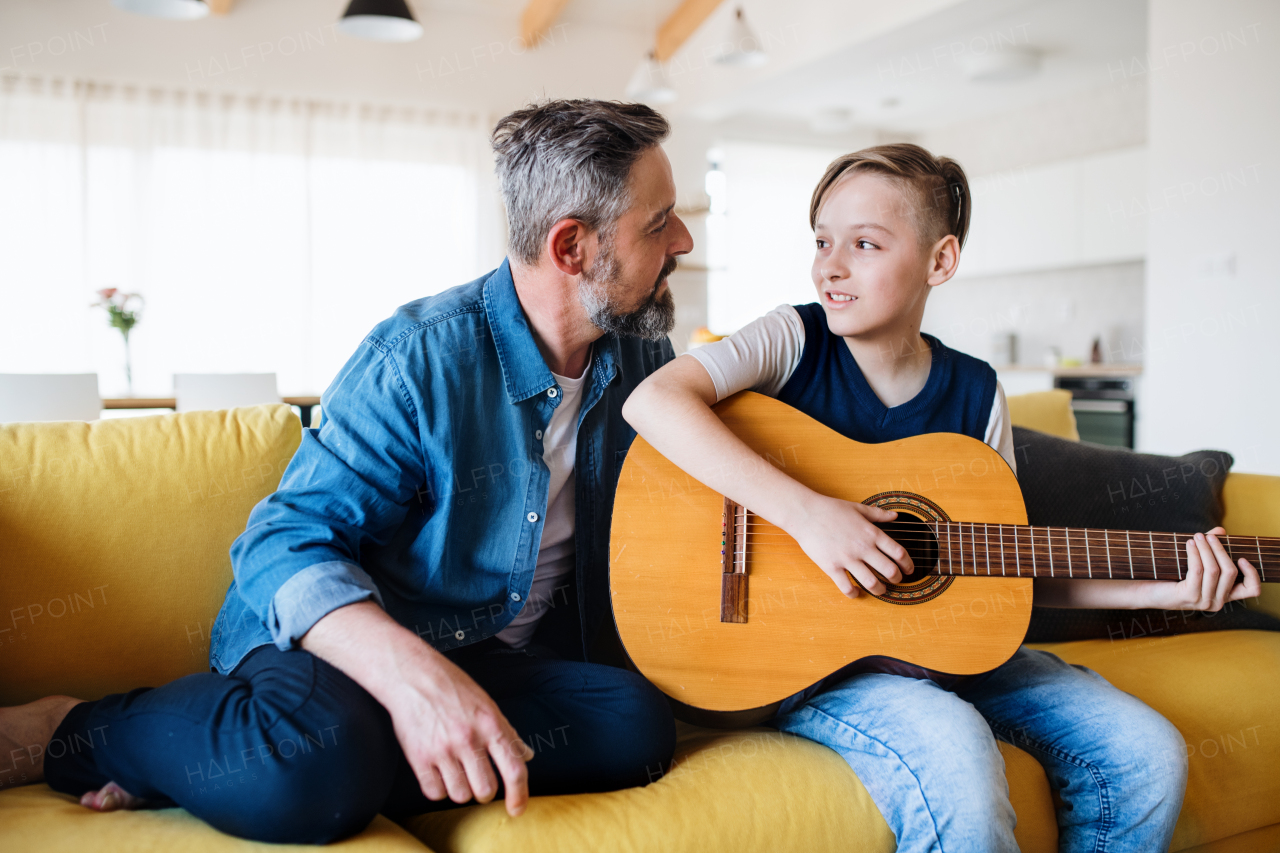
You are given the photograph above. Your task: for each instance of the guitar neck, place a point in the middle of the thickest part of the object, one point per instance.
(1019, 550)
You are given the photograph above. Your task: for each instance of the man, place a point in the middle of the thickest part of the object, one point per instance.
(425, 597)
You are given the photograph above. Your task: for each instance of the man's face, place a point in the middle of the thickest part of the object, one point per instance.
(625, 289)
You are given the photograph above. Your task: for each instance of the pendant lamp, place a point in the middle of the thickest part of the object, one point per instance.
(744, 48)
(380, 20)
(174, 10)
(649, 83)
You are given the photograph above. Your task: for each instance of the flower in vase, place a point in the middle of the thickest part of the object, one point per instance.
(123, 312)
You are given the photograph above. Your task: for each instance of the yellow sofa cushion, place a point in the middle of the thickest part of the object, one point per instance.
(1045, 411)
(37, 819)
(115, 538)
(1265, 840)
(752, 789)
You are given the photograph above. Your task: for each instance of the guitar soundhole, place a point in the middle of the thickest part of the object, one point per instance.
(910, 530)
(918, 538)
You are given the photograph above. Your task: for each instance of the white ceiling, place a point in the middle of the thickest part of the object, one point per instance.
(911, 79)
(853, 54)
(629, 14)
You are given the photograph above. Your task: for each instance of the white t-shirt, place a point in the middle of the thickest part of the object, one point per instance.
(762, 355)
(556, 552)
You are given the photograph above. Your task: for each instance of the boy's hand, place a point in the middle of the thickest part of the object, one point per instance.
(841, 537)
(1211, 578)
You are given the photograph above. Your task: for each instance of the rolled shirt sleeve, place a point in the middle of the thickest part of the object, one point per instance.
(347, 489)
(304, 599)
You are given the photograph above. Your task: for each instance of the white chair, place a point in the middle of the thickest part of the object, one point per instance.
(202, 391)
(49, 397)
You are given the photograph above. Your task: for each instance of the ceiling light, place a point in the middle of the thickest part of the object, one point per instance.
(834, 120)
(174, 10)
(380, 20)
(649, 83)
(743, 48)
(1001, 66)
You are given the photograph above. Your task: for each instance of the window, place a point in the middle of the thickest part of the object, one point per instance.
(264, 236)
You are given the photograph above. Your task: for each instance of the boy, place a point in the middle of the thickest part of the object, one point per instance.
(889, 224)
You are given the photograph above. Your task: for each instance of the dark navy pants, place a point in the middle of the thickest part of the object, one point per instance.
(288, 749)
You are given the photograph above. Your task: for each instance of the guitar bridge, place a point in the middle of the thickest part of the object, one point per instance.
(733, 551)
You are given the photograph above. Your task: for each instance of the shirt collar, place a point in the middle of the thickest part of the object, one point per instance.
(524, 371)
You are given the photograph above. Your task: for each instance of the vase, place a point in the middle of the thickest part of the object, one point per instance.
(128, 366)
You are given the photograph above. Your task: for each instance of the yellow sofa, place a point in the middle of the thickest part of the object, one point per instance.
(113, 562)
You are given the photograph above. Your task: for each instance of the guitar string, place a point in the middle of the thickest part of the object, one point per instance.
(1043, 536)
(1253, 555)
(1076, 533)
(1245, 548)
(1137, 571)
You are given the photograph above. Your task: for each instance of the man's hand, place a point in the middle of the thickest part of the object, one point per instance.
(448, 727)
(1211, 577)
(841, 537)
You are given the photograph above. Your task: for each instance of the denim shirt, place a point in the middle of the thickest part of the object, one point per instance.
(424, 488)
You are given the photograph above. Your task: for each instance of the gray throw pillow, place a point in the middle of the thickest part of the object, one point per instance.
(1076, 484)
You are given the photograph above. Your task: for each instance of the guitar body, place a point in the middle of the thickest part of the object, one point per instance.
(666, 567)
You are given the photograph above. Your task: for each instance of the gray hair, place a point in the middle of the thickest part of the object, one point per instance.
(569, 160)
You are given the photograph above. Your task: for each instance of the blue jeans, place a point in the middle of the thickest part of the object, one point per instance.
(288, 749)
(928, 756)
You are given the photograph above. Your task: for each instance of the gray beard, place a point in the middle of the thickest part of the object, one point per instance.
(652, 321)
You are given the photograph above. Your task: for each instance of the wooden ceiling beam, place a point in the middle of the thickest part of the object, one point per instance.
(537, 19)
(220, 7)
(680, 25)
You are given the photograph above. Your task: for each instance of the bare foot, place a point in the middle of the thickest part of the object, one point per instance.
(111, 797)
(25, 732)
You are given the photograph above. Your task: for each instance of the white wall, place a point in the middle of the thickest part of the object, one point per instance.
(1213, 299)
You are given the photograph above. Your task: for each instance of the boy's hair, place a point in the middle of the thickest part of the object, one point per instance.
(569, 160)
(937, 186)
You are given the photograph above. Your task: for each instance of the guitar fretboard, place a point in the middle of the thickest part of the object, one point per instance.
(1019, 550)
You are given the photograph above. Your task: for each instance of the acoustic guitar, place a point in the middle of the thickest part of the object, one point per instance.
(725, 613)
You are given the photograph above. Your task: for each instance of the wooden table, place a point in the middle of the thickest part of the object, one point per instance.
(305, 404)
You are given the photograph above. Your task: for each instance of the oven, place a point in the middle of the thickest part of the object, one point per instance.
(1103, 406)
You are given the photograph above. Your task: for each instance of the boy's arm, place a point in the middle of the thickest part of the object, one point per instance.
(1210, 583)
(672, 410)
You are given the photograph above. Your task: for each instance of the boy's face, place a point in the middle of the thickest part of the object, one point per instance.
(869, 269)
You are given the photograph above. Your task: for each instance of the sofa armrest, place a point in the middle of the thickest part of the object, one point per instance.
(1045, 411)
(1252, 508)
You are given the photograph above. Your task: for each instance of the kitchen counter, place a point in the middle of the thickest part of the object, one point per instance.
(1082, 370)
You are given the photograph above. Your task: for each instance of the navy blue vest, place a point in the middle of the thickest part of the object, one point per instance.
(829, 387)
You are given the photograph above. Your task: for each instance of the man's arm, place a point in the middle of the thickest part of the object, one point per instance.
(347, 489)
(447, 725)
(298, 566)
(672, 410)
(1210, 583)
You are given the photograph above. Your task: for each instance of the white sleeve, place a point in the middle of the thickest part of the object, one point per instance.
(761, 356)
(1000, 429)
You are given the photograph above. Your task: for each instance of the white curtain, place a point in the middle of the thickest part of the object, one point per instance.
(265, 234)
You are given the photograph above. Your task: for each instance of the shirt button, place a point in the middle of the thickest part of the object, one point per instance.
(515, 596)
(460, 635)
(537, 433)
(533, 516)
(552, 392)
